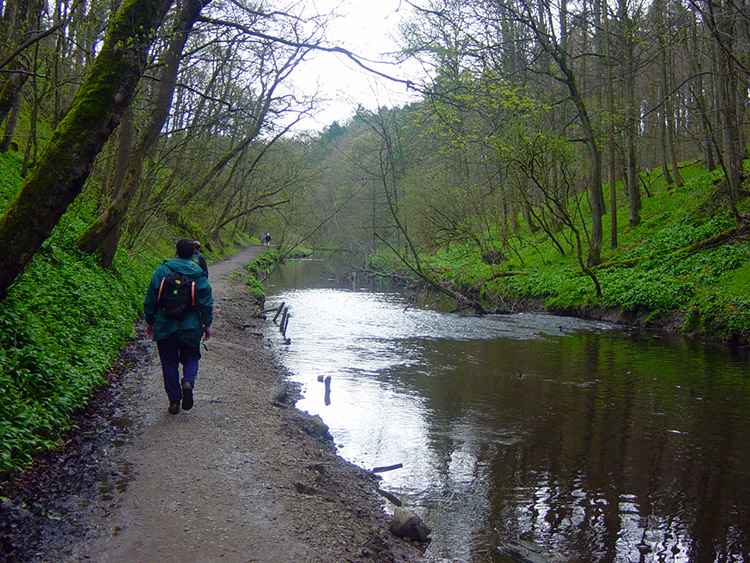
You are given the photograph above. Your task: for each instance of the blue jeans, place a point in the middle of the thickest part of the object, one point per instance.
(172, 353)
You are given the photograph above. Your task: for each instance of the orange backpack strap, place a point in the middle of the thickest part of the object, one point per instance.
(192, 292)
(161, 286)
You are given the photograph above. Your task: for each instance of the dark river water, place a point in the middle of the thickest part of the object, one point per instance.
(593, 441)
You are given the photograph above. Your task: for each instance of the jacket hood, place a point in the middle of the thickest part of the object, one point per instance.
(185, 266)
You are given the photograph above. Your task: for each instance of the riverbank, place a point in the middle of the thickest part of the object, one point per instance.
(237, 478)
(682, 268)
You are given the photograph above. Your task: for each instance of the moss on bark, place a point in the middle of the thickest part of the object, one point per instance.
(66, 161)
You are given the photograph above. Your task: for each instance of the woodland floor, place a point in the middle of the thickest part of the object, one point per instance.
(235, 479)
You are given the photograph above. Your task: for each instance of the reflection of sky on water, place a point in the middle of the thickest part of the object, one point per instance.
(370, 332)
(489, 415)
(377, 316)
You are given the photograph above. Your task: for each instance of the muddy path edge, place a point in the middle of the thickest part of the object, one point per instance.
(240, 477)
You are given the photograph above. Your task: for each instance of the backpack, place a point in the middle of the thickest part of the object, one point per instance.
(176, 295)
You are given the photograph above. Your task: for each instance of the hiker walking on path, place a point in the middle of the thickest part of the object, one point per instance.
(198, 258)
(179, 312)
(268, 239)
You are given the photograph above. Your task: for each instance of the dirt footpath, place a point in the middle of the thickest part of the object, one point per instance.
(235, 479)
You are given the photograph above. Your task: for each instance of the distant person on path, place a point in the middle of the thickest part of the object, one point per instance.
(268, 239)
(179, 311)
(198, 258)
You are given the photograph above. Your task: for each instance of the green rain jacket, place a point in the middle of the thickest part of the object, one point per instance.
(188, 329)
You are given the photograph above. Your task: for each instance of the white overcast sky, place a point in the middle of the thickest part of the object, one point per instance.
(368, 28)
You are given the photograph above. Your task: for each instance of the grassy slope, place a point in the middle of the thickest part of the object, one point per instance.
(705, 292)
(62, 324)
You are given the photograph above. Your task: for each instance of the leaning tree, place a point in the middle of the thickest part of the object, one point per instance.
(62, 169)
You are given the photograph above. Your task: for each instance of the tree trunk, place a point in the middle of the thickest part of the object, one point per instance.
(10, 126)
(707, 141)
(663, 147)
(103, 235)
(669, 116)
(106, 245)
(595, 161)
(722, 22)
(124, 140)
(66, 162)
(10, 89)
(611, 144)
(628, 65)
(613, 243)
(730, 128)
(631, 154)
(568, 78)
(672, 151)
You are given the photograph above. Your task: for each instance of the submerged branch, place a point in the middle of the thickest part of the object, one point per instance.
(459, 297)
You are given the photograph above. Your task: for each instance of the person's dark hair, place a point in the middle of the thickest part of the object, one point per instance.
(185, 248)
(197, 245)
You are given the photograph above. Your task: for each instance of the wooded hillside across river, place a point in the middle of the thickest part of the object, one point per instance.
(127, 125)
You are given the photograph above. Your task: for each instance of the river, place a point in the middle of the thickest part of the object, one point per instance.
(592, 441)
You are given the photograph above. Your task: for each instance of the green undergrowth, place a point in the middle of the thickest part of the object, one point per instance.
(655, 276)
(62, 325)
(265, 263)
(10, 176)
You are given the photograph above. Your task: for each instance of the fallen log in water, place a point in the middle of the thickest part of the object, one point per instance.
(391, 497)
(387, 468)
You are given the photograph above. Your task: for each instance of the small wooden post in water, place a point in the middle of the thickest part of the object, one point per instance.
(282, 322)
(278, 311)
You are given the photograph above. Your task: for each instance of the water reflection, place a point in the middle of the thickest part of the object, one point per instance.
(597, 443)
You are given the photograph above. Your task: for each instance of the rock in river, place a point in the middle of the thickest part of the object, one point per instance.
(406, 524)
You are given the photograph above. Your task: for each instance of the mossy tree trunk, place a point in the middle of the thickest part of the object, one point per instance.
(103, 235)
(66, 162)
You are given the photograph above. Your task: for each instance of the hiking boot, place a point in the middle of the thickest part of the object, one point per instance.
(174, 407)
(187, 395)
